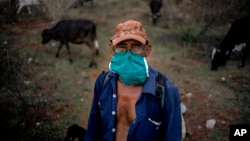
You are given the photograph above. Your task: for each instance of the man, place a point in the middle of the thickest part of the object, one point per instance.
(125, 105)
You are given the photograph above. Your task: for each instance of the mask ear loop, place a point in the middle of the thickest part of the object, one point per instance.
(145, 46)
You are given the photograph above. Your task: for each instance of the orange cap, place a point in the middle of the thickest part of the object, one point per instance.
(129, 30)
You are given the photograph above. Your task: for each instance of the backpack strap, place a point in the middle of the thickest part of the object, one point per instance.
(160, 96)
(160, 89)
(106, 78)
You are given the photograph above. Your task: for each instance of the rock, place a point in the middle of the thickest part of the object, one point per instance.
(210, 123)
(223, 79)
(29, 60)
(183, 108)
(189, 95)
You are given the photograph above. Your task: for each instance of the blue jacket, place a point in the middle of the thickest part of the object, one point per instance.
(102, 118)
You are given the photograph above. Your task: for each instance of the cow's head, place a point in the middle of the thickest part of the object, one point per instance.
(46, 36)
(75, 131)
(218, 58)
(155, 6)
(155, 17)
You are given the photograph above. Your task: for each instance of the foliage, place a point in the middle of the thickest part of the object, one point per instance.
(188, 36)
(211, 14)
(57, 9)
(25, 115)
(8, 11)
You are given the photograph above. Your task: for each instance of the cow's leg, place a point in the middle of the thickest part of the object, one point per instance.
(93, 62)
(58, 50)
(69, 53)
(78, 3)
(81, 3)
(92, 3)
(244, 57)
(94, 48)
(154, 18)
(28, 7)
(19, 9)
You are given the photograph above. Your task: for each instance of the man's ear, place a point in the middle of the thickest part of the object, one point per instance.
(111, 50)
(147, 50)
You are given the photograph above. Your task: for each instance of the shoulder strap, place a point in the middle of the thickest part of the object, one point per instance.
(106, 78)
(160, 94)
(160, 89)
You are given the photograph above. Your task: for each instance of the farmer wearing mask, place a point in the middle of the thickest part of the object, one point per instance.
(128, 103)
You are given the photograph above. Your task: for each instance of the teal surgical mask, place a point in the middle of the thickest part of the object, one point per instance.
(132, 68)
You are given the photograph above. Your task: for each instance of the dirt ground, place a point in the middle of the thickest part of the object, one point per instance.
(206, 94)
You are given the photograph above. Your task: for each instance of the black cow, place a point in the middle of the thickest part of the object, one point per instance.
(237, 37)
(155, 6)
(76, 32)
(81, 3)
(75, 131)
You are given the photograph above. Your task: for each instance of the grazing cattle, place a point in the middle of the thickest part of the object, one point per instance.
(75, 131)
(81, 3)
(27, 3)
(155, 6)
(237, 38)
(76, 32)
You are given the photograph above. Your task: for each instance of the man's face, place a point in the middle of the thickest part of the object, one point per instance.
(134, 46)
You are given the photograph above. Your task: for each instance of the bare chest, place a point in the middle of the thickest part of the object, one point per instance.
(126, 107)
(126, 112)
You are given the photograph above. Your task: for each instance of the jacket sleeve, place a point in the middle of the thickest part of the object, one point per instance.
(172, 114)
(94, 129)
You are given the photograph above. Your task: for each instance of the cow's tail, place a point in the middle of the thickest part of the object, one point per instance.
(96, 43)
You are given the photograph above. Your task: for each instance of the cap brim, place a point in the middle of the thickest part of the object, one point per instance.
(126, 37)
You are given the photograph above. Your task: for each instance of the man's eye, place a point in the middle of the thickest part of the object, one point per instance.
(121, 46)
(136, 46)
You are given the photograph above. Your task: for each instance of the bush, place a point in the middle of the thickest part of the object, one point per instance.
(57, 9)
(8, 9)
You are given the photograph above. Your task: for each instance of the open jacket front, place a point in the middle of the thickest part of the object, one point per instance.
(149, 124)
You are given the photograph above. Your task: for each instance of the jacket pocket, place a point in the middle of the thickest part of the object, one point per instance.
(147, 130)
(157, 123)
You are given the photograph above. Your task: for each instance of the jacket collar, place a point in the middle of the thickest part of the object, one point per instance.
(149, 86)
